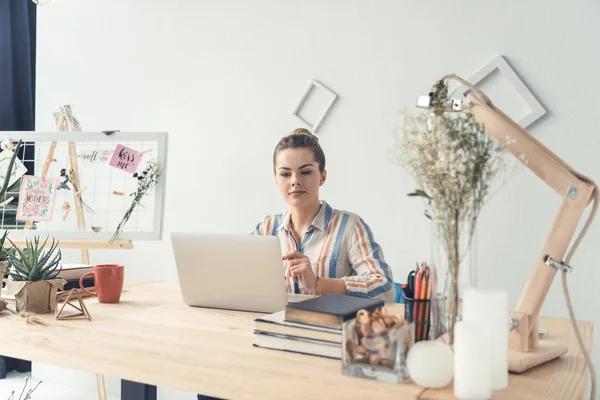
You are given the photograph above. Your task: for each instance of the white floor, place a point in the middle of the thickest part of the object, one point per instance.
(45, 391)
(59, 391)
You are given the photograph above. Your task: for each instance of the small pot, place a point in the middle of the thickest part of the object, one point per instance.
(36, 297)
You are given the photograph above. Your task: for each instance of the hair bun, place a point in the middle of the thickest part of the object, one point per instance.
(303, 131)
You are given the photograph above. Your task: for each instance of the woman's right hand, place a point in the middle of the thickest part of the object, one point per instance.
(299, 269)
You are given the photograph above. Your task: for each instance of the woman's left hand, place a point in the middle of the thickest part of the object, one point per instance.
(299, 269)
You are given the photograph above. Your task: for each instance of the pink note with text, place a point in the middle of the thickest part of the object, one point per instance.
(125, 159)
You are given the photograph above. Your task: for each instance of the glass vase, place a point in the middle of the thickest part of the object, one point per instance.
(462, 260)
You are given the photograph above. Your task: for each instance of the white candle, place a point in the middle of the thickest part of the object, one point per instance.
(472, 376)
(490, 307)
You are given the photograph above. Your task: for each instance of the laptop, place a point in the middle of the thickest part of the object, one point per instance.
(230, 271)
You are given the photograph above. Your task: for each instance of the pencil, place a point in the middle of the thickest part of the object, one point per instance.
(427, 305)
(435, 306)
(422, 306)
(416, 295)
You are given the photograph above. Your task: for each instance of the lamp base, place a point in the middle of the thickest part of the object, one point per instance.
(547, 350)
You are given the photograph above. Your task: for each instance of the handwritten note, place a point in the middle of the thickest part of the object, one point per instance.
(125, 159)
(36, 198)
(96, 156)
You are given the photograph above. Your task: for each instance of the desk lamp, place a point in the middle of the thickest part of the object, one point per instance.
(525, 349)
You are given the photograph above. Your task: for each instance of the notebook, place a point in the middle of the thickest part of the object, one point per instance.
(298, 345)
(74, 271)
(330, 310)
(276, 323)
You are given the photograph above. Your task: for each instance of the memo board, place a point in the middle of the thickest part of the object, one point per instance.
(106, 190)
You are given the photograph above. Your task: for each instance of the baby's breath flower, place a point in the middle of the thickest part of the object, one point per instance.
(454, 163)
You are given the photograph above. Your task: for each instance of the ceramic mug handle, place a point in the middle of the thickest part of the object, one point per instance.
(81, 283)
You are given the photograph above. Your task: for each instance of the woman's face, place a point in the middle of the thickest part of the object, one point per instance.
(297, 176)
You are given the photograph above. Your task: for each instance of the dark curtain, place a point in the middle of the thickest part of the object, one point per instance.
(17, 91)
(17, 65)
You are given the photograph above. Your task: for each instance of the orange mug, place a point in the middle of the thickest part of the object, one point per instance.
(108, 281)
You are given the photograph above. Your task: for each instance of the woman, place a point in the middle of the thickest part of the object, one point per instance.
(326, 250)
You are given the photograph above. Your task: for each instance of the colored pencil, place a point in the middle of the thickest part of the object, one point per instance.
(422, 304)
(427, 305)
(418, 278)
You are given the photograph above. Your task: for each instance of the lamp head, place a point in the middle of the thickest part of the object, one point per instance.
(438, 101)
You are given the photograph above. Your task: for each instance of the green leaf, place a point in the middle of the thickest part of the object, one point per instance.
(44, 259)
(420, 193)
(33, 263)
(9, 170)
(427, 214)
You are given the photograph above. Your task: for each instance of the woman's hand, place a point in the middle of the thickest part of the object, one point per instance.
(299, 269)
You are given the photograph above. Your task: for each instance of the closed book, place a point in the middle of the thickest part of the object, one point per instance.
(276, 323)
(330, 310)
(82, 294)
(88, 282)
(298, 345)
(74, 271)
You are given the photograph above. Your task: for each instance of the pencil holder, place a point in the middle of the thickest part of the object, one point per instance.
(427, 316)
(375, 346)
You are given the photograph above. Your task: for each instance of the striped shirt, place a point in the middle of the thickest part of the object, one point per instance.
(339, 244)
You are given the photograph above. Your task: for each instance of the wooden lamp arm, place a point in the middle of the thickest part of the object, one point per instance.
(576, 191)
(537, 157)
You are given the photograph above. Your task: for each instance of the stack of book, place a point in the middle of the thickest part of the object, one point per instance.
(312, 326)
(71, 273)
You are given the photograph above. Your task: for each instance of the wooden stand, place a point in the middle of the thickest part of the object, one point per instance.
(87, 244)
(64, 125)
(525, 350)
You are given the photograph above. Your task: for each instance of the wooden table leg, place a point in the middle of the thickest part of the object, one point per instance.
(137, 391)
(101, 387)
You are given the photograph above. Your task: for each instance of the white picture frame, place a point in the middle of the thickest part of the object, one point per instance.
(500, 64)
(314, 84)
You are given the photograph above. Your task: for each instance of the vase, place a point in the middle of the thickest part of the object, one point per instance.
(452, 253)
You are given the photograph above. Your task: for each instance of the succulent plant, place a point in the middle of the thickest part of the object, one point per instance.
(33, 263)
(3, 250)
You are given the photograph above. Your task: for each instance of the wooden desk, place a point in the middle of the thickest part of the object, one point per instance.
(153, 338)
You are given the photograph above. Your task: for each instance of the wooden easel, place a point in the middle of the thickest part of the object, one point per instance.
(64, 125)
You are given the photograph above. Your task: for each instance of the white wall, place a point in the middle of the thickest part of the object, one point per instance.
(223, 76)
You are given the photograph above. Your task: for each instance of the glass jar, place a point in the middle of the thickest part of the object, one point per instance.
(427, 316)
(375, 346)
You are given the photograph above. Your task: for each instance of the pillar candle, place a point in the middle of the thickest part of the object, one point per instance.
(472, 376)
(490, 308)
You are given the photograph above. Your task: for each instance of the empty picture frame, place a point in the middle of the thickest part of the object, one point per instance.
(527, 107)
(325, 93)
